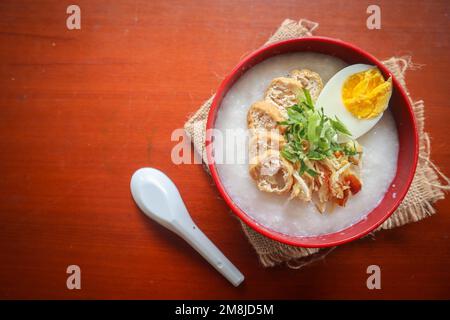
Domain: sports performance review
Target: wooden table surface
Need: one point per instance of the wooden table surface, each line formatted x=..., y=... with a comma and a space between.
x=81, y=110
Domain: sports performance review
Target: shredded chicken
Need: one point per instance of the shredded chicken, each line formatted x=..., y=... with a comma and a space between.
x=337, y=178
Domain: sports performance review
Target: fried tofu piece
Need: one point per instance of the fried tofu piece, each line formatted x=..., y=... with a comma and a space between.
x=283, y=93
x=272, y=173
x=310, y=80
x=264, y=115
x=262, y=140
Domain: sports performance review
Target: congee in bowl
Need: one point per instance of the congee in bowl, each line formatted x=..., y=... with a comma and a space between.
x=305, y=144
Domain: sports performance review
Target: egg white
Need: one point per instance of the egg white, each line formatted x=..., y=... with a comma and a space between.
x=330, y=99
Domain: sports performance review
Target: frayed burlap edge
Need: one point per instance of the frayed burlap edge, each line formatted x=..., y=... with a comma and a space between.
x=425, y=189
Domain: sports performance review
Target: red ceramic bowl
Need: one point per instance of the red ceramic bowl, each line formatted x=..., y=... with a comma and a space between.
x=404, y=118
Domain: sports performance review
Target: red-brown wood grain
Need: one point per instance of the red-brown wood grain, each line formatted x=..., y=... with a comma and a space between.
x=81, y=110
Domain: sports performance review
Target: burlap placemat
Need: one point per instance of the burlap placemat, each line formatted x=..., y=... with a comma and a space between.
x=425, y=189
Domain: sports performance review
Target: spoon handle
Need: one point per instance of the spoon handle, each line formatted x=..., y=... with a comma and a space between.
x=201, y=243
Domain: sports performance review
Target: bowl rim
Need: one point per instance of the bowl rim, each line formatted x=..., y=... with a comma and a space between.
x=304, y=241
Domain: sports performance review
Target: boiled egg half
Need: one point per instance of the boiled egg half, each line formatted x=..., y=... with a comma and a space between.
x=357, y=95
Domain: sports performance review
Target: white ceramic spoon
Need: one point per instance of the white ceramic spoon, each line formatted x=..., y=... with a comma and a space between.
x=158, y=197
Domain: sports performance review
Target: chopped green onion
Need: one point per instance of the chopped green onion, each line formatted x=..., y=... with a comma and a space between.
x=311, y=135
x=339, y=126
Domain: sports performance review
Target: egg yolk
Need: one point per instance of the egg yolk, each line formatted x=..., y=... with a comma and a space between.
x=366, y=94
